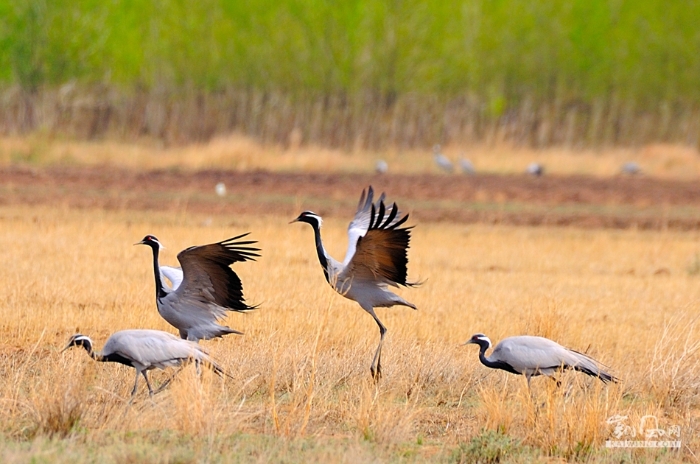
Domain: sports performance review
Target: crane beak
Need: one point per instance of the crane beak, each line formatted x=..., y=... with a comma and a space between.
x=160, y=246
x=294, y=220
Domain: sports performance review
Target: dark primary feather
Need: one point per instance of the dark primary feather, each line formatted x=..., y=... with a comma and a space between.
x=593, y=368
x=383, y=250
x=207, y=272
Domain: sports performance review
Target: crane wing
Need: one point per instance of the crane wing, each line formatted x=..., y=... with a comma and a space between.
x=150, y=347
x=360, y=223
x=207, y=277
x=526, y=353
x=529, y=353
x=173, y=274
x=366, y=213
x=378, y=246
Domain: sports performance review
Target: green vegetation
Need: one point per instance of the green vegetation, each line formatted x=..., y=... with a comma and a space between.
x=490, y=447
x=645, y=51
x=602, y=56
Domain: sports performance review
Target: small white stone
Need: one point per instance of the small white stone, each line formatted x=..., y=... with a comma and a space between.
x=381, y=167
x=220, y=189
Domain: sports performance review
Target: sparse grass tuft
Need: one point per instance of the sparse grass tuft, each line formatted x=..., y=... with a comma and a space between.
x=675, y=362
x=490, y=447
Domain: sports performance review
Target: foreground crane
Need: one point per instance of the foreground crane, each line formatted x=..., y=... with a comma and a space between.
x=144, y=350
x=531, y=356
x=208, y=289
x=376, y=259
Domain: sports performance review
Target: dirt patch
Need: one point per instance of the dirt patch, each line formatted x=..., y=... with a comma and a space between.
x=620, y=202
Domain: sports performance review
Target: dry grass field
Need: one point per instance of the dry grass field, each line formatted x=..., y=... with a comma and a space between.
x=301, y=390
x=236, y=152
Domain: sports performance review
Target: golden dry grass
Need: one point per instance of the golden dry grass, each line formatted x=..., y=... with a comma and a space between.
x=240, y=153
x=301, y=390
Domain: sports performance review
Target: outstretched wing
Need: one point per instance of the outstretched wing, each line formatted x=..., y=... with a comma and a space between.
x=377, y=248
x=173, y=274
x=207, y=277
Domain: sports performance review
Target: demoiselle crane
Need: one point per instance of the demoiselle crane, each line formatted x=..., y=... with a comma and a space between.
x=631, y=168
x=144, y=350
x=208, y=289
x=467, y=166
x=531, y=356
x=535, y=169
x=376, y=259
x=442, y=161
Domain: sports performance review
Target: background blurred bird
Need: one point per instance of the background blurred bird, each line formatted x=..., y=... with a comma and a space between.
x=535, y=169
x=631, y=168
x=466, y=166
x=442, y=161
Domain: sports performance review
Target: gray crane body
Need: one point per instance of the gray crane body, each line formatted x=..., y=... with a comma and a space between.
x=198, y=321
x=442, y=161
x=145, y=350
x=532, y=356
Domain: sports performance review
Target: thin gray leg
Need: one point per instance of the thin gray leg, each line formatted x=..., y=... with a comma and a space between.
x=376, y=367
x=136, y=384
x=150, y=390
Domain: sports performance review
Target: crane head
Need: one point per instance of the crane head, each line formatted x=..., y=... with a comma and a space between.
x=310, y=218
x=151, y=241
x=479, y=339
x=79, y=340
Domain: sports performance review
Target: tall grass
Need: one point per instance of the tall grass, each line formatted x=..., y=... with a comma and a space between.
x=301, y=371
x=361, y=73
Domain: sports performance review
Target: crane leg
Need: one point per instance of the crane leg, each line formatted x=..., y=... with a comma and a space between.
x=150, y=390
x=376, y=367
x=136, y=384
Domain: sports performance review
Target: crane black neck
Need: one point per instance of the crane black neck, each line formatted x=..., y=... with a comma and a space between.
x=320, y=250
x=87, y=344
x=160, y=290
x=483, y=346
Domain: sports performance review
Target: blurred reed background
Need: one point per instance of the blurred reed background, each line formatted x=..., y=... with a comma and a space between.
x=354, y=75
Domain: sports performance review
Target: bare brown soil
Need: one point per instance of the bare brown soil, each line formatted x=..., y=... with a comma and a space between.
x=621, y=202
